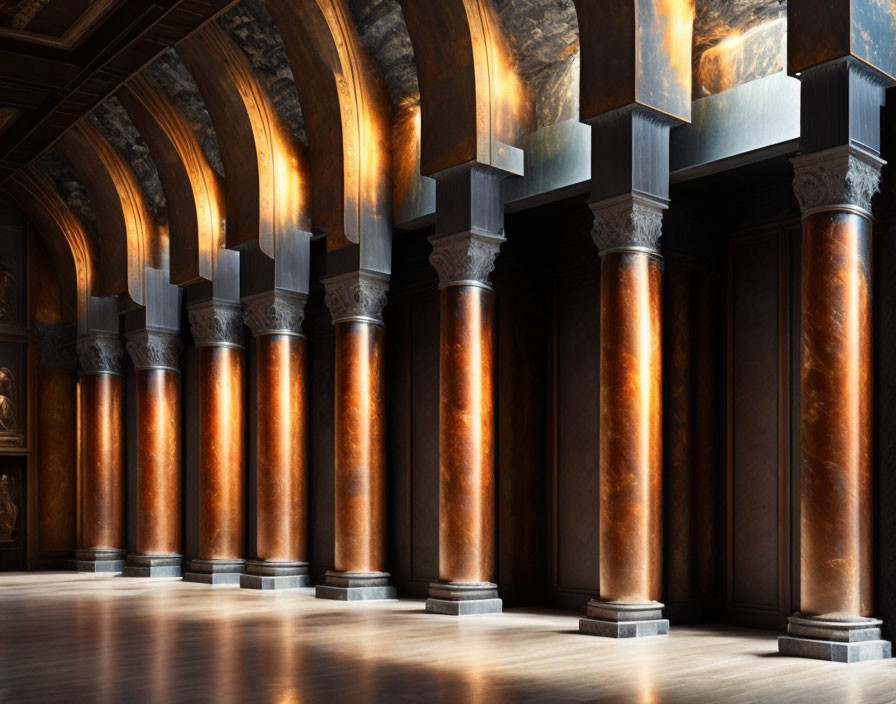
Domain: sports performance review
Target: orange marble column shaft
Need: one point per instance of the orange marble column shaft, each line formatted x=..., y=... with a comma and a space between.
x=360, y=453
x=356, y=302
x=464, y=262
x=102, y=485
x=217, y=332
x=630, y=428
x=276, y=322
x=155, y=354
x=836, y=515
x=627, y=231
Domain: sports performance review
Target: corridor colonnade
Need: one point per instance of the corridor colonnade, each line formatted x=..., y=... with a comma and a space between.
x=635, y=88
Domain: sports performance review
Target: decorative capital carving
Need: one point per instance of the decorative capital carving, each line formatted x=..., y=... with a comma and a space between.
x=628, y=221
x=839, y=178
x=275, y=312
x=56, y=343
x=154, y=349
x=465, y=257
x=99, y=353
x=359, y=295
x=216, y=323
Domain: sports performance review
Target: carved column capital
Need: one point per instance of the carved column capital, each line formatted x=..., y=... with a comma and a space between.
x=56, y=344
x=275, y=313
x=630, y=221
x=359, y=295
x=842, y=178
x=216, y=323
x=464, y=258
x=154, y=349
x=99, y=353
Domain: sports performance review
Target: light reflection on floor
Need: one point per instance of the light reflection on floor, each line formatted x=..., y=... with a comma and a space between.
x=80, y=638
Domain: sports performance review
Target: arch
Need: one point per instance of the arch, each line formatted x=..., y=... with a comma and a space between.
x=266, y=183
x=347, y=119
x=473, y=104
x=635, y=53
x=61, y=230
x=192, y=188
x=129, y=239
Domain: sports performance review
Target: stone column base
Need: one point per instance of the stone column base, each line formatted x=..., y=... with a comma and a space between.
x=153, y=566
x=261, y=574
x=218, y=573
x=463, y=599
x=355, y=586
x=852, y=640
x=612, y=620
x=105, y=560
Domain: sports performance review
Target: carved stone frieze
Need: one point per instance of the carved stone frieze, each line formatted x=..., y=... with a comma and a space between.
x=154, y=349
x=56, y=343
x=627, y=221
x=842, y=176
x=99, y=353
x=275, y=312
x=216, y=323
x=464, y=257
x=359, y=295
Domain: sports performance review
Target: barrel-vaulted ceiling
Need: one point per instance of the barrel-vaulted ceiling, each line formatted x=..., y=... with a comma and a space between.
x=218, y=123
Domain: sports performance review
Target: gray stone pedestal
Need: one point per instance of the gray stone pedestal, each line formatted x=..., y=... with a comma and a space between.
x=261, y=574
x=614, y=620
x=106, y=561
x=355, y=586
x=463, y=599
x=836, y=640
x=153, y=566
x=217, y=573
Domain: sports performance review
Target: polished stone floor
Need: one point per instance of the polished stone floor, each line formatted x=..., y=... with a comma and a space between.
x=79, y=638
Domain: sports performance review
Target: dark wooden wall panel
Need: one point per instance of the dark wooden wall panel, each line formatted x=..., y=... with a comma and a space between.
x=759, y=427
x=321, y=349
x=576, y=338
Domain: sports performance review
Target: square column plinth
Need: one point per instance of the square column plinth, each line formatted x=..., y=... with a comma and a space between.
x=356, y=586
x=612, y=620
x=266, y=576
x=153, y=566
x=99, y=560
x=463, y=599
x=217, y=573
x=852, y=640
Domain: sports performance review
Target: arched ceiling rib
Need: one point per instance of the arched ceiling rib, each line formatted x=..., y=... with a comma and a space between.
x=250, y=25
x=267, y=192
x=194, y=195
x=348, y=123
x=169, y=72
x=112, y=120
x=129, y=238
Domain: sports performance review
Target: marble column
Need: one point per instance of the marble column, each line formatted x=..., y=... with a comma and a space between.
x=101, y=495
x=217, y=328
x=835, y=188
x=275, y=318
x=356, y=301
x=156, y=357
x=466, y=426
x=627, y=231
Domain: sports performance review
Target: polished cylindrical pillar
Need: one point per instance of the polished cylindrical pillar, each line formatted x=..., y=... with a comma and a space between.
x=101, y=496
x=275, y=319
x=156, y=357
x=217, y=328
x=627, y=231
x=835, y=188
x=466, y=425
x=356, y=302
